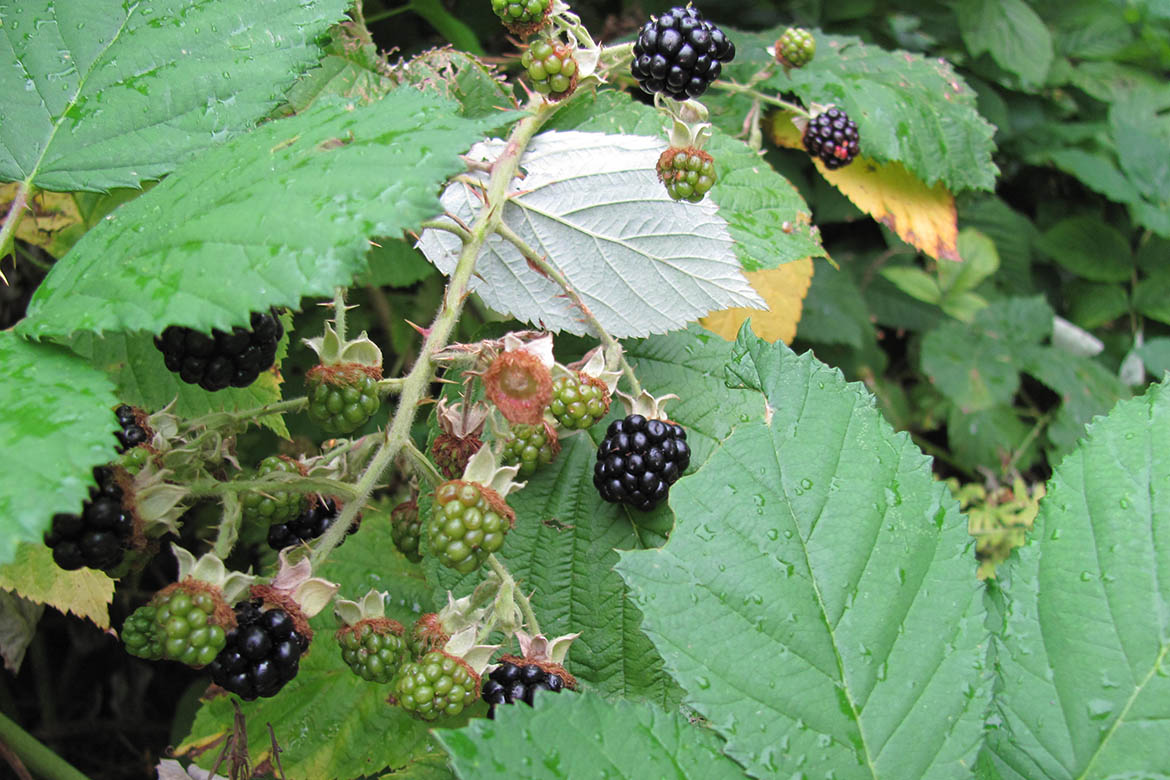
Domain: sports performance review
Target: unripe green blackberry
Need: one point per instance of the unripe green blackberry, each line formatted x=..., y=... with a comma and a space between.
x=436, y=685
x=551, y=68
x=522, y=17
x=687, y=173
x=272, y=506
x=185, y=621
x=141, y=635
x=373, y=648
x=342, y=398
x=530, y=446
x=467, y=524
x=406, y=528
x=578, y=402
x=795, y=48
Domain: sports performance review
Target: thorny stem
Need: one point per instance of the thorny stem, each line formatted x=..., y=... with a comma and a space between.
x=292, y=483
x=15, y=212
x=423, y=467
x=542, y=265
x=339, y=313
x=435, y=224
x=389, y=386
x=417, y=381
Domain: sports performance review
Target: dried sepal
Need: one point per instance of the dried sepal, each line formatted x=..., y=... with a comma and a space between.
x=540, y=648
x=295, y=581
x=646, y=404
x=484, y=469
x=462, y=644
x=210, y=569
x=371, y=606
x=594, y=365
x=461, y=420
x=332, y=351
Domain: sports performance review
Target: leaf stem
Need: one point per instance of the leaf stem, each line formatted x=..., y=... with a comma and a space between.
x=542, y=265
x=417, y=381
x=12, y=219
x=291, y=483
x=434, y=224
x=743, y=89
x=38, y=758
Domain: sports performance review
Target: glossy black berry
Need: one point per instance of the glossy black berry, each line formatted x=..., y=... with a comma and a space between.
x=132, y=433
x=511, y=682
x=309, y=524
x=832, y=136
x=221, y=360
x=680, y=54
x=261, y=654
x=638, y=461
x=99, y=536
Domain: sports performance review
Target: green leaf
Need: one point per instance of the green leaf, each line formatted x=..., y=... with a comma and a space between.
x=328, y=721
x=767, y=217
x=565, y=537
x=977, y=365
x=1142, y=134
x=281, y=213
x=57, y=424
x=1151, y=298
x=478, y=87
x=1155, y=354
x=1085, y=387
x=990, y=439
x=102, y=93
x=964, y=306
x=818, y=550
x=907, y=107
x=86, y=593
x=979, y=261
x=1090, y=248
x=573, y=736
x=395, y=263
x=834, y=311
x=915, y=282
x=1082, y=645
x=1017, y=39
x=1012, y=233
x=1092, y=305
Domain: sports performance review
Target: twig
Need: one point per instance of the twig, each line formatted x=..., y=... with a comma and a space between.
x=35, y=756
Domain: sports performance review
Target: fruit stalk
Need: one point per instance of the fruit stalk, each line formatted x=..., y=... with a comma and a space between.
x=521, y=600
x=417, y=381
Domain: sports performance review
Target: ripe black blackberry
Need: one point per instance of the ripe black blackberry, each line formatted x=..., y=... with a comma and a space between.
x=222, y=359
x=261, y=654
x=99, y=536
x=679, y=54
x=832, y=136
x=639, y=459
x=132, y=433
x=516, y=680
x=308, y=525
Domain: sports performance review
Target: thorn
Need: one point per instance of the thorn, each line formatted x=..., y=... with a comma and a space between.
x=375, y=243
x=425, y=332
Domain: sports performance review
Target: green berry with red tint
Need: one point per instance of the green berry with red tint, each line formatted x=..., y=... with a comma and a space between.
x=141, y=634
x=530, y=447
x=272, y=506
x=578, y=402
x=406, y=529
x=551, y=68
x=796, y=48
x=687, y=173
x=183, y=619
x=468, y=523
x=435, y=686
x=373, y=648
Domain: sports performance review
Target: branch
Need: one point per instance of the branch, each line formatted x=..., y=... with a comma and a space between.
x=35, y=756
x=12, y=219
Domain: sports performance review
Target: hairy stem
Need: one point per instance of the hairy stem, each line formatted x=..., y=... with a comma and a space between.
x=744, y=89
x=12, y=219
x=37, y=758
x=543, y=266
x=418, y=380
x=339, y=313
x=293, y=483
x=422, y=466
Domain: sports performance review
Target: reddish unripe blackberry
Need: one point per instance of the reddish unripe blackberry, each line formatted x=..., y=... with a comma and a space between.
x=373, y=648
x=308, y=525
x=688, y=174
x=467, y=524
x=680, y=54
x=222, y=359
x=516, y=679
x=435, y=686
x=451, y=452
x=261, y=654
x=98, y=537
x=132, y=433
x=832, y=136
x=551, y=68
x=639, y=459
x=406, y=529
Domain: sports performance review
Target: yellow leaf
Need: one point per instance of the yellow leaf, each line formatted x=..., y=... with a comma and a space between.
x=924, y=217
x=784, y=289
x=32, y=574
x=46, y=216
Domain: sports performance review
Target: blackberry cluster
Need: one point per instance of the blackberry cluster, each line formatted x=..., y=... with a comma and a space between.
x=522, y=17
x=551, y=68
x=222, y=359
x=272, y=506
x=436, y=685
x=468, y=524
x=832, y=136
x=639, y=459
x=141, y=635
x=578, y=401
x=509, y=683
x=183, y=625
x=308, y=525
x=132, y=433
x=406, y=528
x=796, y=47
x=680, y=54
x=262, y=653
x=530, y=447
x=99, y=536
x=451, y=453
x=373, y=649
x=346, y=406
x=688, y=174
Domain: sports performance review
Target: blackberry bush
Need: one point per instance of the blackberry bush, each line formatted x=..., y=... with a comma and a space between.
x=680, y=54
x=99, y=536
x=638, y=461
x=222, y=359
